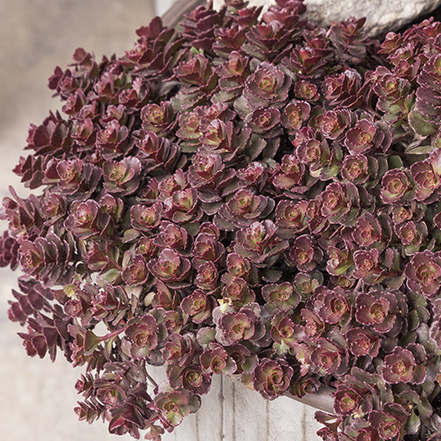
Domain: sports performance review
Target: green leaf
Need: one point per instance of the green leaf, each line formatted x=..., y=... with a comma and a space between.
x=242, y=107
x=413, y=320
x=413, y=424
x=108, y=346
x=110, y=276
x=425, y=409
x=191, y=227
x=271, y=276
x=394, y=162
x=188, y=147
x=174, y=418
x=419, y=123
x=223, y=97
x=223, y=224
x=91, y=341
x=255, y=147
x=130, y=235
x=417, y=149
x=205, y=336
x=211, y=208
x=127, y=257
x=133, y=291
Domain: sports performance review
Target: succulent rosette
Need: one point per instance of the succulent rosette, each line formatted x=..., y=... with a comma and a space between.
x=182, y=206
x=158, y=118
x=267, y=86
x=157, y=153
x=397, y=186
x=304, y=254
x=243, y=209
x=234, y=327
x=367, y=264
x=175, y=405
x=389, y=421
x=340, y=201
x=246, y=361
x=87, y=219
x=280, y=296
x=426, y=179
x=400, y=366
x=197, y=306
x=191, y=378
x=367, y=231
x=206, y=248
x=272, y=377
x=424, y=272
x=216, y=359
x=334, y=123
x=411, y=235
x=170, y=235
x=237, y=292
x=290, y=175
x=347, y=400
x=374, y=309
x=113, y=140
x=343, y=89
x=136, y=272
x=250, y=195
x=326, y=358
x=233, y=72
x=258, y=242
x=206, y=171
x=364, y=136
x=362, y=342
x=9, y=251
x=144, y=218
x=291, y=217
x=284, y=332
x=294, y=115
x=331, y=306
x=169, y=267
x=144, y=335
x=121, y=177
x=358, y=168
x=179, y=349
x=207, y=277
x=265, y=122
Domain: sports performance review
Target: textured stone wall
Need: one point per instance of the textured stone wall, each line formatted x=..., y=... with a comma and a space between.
x=382, y=15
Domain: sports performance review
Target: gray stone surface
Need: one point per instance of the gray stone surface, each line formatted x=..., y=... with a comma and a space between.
x=382, y=15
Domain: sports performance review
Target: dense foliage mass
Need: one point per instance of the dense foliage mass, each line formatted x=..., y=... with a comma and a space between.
x=254, y=197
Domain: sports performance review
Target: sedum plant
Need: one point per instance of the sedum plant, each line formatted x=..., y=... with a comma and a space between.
x=252, y=196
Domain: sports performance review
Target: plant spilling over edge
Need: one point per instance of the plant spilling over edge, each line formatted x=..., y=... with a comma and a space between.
x=251, y=197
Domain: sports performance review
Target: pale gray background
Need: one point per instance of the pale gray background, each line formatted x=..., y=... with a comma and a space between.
x=37, y=397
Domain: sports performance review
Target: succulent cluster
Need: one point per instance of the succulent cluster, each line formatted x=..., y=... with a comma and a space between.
x=250, y=196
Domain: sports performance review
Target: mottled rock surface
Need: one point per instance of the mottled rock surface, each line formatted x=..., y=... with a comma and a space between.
x=382, y=15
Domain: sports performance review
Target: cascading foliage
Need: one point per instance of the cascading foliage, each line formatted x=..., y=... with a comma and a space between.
x=254, y=197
